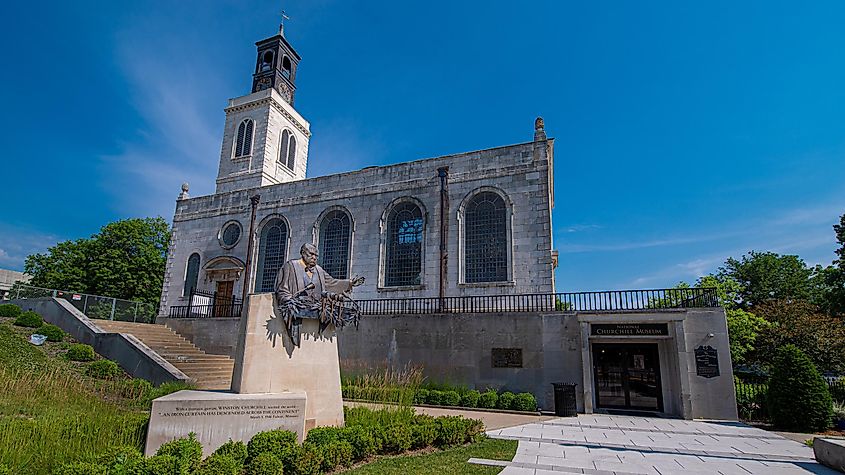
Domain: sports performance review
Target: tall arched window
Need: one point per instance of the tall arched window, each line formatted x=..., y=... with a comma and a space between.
x=243, y=142
x=286, y=67
x=335, y=235
x=485, y=239
x=192, y=272
x=271, y=254
x=287, y=149
x=404, y=245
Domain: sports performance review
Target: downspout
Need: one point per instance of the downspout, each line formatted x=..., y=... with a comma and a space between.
x=443, y=173
x=248, y=266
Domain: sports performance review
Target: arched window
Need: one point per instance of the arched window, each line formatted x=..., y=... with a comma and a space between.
x=271, y=254
x=267, y=61
x=287, y=149
x=192, y=272
x=243, y=142
x=403, y=265
x=485, y=239
x=335, y=235
x=286, y=67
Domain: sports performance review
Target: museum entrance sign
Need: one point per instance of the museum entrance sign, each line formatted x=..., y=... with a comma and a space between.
x=627, y=376
x=629, y=329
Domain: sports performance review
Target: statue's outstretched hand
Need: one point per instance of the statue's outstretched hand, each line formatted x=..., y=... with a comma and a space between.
x=357, y=280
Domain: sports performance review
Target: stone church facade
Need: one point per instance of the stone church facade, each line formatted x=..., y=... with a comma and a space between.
x=474, y=223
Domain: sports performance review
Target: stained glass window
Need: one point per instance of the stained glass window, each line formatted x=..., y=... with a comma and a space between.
x=335, y=234
x=404, y=245
x=485, y=239
x=271, y=254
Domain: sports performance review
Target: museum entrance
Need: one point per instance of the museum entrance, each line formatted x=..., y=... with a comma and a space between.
x=627, y=376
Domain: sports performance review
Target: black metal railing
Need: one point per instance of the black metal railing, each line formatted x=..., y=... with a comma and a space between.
x=217, y=306
x=752, y=398
x=611, y=300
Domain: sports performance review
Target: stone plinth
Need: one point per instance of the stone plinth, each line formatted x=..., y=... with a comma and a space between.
x=266, y=361
x=830, y=452
x=217, y=417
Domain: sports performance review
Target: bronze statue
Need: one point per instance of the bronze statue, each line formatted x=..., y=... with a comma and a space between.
x=305, y=290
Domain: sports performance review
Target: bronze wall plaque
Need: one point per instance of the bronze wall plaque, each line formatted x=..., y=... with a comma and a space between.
x=507, y=357
x=706, y=362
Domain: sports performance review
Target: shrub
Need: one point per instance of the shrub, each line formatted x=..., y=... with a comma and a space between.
x=364, y=444
x=423, y=431
x=397, y=438
x=265, y=463
x=272, y=441
x=219, y=464
x=9, y=310
x=524, y=402
x=29, y=319
x=488, y=399
x=323, y=435
x=505, y=400
x=121, y=459
x=308, y=460
x=135, y=388
x=451, y=398
x=4, y=470
x=435, y=397
x=421, y=396
x=80, y=352
x=52, y=332
x=234, y=449
x=160, y=465
x=103, y=369
x=337, y=453
x=450, y=431
x=80, y=468
x=187, y=451
x=470, y=398
x=798, y=397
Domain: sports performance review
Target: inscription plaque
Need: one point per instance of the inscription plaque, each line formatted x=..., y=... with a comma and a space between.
x=507, y=357
x=629, y=329
x=706, y=362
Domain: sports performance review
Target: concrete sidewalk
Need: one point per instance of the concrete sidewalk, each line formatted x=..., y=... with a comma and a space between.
x=606, y=445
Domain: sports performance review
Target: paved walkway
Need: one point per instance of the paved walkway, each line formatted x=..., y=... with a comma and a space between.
x=606, y=445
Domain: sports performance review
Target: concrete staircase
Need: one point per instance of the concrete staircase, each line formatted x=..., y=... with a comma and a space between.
x=208, y=371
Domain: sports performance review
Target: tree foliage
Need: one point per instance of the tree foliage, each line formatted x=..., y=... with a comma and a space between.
x=799, y=400
x=765, y=276
x=125, y=259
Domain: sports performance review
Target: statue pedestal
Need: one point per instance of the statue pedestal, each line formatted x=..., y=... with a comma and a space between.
x=274, y=386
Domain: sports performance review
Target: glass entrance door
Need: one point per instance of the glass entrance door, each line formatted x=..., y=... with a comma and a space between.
x=627, y=376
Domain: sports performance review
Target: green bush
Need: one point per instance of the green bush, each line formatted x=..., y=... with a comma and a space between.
x=29, y=319
x=451, y=398
x=9, y=310
x=135, y=388
x=160, y=465
x=423, y=431
x=421, y=396
x=120, y=460
x=103, y=369
x=321, y=436
x=799, y=400
x=524, y=402
x=186, y=450
x=265, y=463
x=80, y=468
x=52, y=332
x=81, y=352
x=4, y=470
x=234, y=449
x=272, y=441
x=488, y=400
x=435, y=397
x=337, y=453
x=470, y=398
x=397, y=438
x=308, y=460
x=450, y=431
x=219, y=464
x=505, y=400
x=364, y=444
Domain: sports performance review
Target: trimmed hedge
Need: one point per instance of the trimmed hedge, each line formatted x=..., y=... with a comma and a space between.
x=234, y=449
x=488, y=400
x=505, y=400
x=798, y=398
x=524, y=402
x=103, y=369
x=186, y=452
x=29, y=319
x=460, y=397
x=81, y=352
x=470, y=398
x=265, y=463
x=219, y=464
x=52, y=332
x=9, y=310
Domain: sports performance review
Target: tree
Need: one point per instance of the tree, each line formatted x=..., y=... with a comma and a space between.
x=125, y=259
x=767, y=276
x=798, y=396
x=833, y=277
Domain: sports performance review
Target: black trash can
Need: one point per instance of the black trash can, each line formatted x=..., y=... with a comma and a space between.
x=565, y=399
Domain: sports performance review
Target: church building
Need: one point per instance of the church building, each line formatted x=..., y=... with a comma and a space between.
x=473, y=223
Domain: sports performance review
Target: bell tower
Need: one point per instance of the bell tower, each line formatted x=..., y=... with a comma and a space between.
x=265, y=140
x=275, y=67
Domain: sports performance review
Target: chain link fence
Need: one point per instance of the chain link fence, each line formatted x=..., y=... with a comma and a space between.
x=93, y=306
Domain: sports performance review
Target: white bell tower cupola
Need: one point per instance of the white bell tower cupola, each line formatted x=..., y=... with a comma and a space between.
x=265, y=141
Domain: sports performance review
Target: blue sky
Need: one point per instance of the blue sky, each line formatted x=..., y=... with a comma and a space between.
x=686, y=132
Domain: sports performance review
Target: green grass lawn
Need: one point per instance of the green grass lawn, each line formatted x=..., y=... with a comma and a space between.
x=443, y=462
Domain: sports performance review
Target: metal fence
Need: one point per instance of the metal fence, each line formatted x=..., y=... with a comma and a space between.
x=610, y=300
x=208, y=305
x=93, y=306
x=751, y=398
